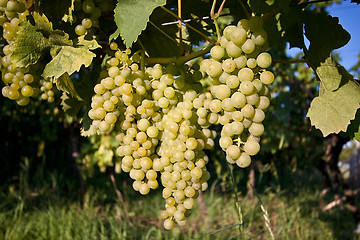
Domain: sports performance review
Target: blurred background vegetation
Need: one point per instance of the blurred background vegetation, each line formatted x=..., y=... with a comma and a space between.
x=55, y=184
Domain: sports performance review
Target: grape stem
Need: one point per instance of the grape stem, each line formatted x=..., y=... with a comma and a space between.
x=289, y=61
x=237, y=202
x=179, y=60
x=187, y=25
x=215, y=16
x=181, y=49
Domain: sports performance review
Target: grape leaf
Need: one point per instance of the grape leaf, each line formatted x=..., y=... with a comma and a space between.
x=42, y=22
x=131, y=17
x=325, y=34
x=292, y=24
x=261, y=6
x=87, y=129
x=70, y=105
x=329, y=75
x=65, y=84
x=354, y=128
x=32, y=41
x=89, y=44
x=332, y=110
x=68, y=60
x=29, y=45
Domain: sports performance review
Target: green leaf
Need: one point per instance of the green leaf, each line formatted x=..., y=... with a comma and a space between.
x=261, y=6
x=29, y=46
x=292, y=24
x=329, y=74
x=87, y=129
x=68, y=60
x=65, y=84
x=70, y=105
x=42, y=22
x=325, y=34
x=332, y=111
x=353, y=130
x=32, y=41
x=131, y=17
x=89, y=44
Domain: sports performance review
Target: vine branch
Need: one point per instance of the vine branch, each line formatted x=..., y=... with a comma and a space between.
x=289, y=61
x=179, y=60
x=301, y=3
x=187, y=25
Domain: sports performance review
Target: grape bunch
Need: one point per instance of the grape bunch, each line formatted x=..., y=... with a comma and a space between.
x=21, y=83
x=238, y=78
x=154, y=114
x=87, y=15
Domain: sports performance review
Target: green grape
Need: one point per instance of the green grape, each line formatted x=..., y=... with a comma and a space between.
x=244, y=24
x=259, y=116
x=251, y=147
x=240, y=61
x=247, y=88
x=221, y=91
x=248, y=46
x=244, y=160
x=264, y=60
x=217, y=52
x=256, y=129
x=80, y=30
x=214, y=69
x=232, y=81
x=227, y=32
x=233, y=152
x=88, y=6
x=233, y=50
x=27, y=91
x=248, y=111
x=238, y=100
x=259, y=38
x=228, y=65
x=87, y=23
x=168, y=224
x=263, y=103
x=267, y=77
x=252, y=99
x=245, y=74
x=238, y=36
x=215, y=106
x=251, y=63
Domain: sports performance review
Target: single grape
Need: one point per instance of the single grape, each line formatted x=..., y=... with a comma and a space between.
x=251, y=147
x=267, y=77
x=80, y=30
x=217, y=52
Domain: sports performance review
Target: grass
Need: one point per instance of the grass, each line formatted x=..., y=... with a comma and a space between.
x=294, y=213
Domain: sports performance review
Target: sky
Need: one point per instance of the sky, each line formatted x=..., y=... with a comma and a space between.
x=349, y=17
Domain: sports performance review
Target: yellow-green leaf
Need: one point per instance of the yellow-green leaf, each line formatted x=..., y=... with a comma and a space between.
x=68, y=60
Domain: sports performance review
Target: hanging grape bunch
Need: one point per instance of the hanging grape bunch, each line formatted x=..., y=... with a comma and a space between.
x=238, y=77
x=157, y=128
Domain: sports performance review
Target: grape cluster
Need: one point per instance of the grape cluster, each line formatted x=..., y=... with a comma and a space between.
x=238, y=78
x=21, y=83
x=162, y=117
x=154, y=115
x=87, y=15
